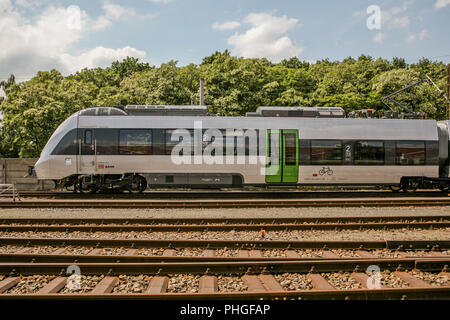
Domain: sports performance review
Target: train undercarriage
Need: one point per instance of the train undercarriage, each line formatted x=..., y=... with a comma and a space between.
x=136, y=183
x=89, y=184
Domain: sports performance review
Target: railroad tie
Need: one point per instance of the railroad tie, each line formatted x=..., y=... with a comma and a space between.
x=169, y=253
x=437, y=254
x=131, y=252
x=291, y=254
x=243, y=254
x=365, y=254
x=158, y=285
x=401, y=254
x=95, y=252
x=23, y=251
x=411, y=280
x=270, y=283
x=255, y=254
x=54, y=286
x=209, y=253
x=318, y=282
x=105, y=286
x=253, y=283
x=59, y=251
x=8, y=283
x=362, y=279
x=326, y=254
x=208, y=284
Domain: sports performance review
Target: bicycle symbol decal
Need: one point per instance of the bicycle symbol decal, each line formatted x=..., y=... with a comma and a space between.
x=326, y=170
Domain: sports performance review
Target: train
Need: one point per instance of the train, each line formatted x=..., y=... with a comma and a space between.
x=135, y=148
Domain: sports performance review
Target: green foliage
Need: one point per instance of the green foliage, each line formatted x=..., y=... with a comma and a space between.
x=233, y=86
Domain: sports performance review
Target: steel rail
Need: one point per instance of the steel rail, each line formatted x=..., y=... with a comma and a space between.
x=236, y=244
x=221, y=227
x=206, y=221
x=234, y=267
x=233, y=194
x=86, y=258
x=158, y=204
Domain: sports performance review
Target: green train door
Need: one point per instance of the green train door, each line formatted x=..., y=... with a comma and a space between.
x=282, y=156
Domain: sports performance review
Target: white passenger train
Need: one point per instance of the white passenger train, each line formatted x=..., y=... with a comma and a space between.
x=139, y=147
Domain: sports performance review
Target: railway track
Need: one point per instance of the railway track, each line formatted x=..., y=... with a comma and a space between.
x=324, y=279
x=226, y=203
x=37, y=268
x=220, y=244
x=111, y=255
x=211, y=224
x=40, y=267
x=235, y=194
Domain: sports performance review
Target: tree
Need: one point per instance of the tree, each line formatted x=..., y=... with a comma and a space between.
x=34, y=109
x=423, y=98
x=164, y=85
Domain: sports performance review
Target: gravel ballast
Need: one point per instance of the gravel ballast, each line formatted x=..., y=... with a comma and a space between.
x=223, y=213
x=342, y=280
x=132, y=284
x=355, y=235
x=294, y=281
x=30, y=284
x=230, y=284
x=81, y=284
x=183, y=283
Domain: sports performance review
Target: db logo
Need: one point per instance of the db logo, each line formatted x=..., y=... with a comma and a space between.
x=101, y=166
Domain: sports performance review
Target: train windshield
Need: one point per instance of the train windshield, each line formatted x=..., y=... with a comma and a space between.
x=68, y=144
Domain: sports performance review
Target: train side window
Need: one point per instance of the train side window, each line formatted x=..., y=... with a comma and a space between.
x=432, y=153
x=170, y=143
x=369, y=153
x=304, y=150
x=88, y=137
x=290, y=149
x=410, y=153
x=107, y=141
x=326, y=152
x=252, y=142
x=68, y=145
x=135, y=142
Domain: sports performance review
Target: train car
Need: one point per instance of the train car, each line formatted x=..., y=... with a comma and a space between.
x=181, y=146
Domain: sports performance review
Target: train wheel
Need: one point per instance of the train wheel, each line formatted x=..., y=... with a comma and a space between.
x=409, y=185
x=138, y=185
x=412, y=187
x=89, y=189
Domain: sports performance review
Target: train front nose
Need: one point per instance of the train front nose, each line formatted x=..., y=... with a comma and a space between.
x=42, y=168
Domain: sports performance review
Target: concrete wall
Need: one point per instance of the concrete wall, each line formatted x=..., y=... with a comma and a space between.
x=15, y=171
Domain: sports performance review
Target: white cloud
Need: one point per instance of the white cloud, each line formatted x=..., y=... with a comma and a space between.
x=112, y=12
x=441, y=4
x=160, y=1
x=418, y=37
x=101, y=22
x=229, y=25
x=115, y=11
x=48, y=41
x=400, y=22
x=392, y=16
x=98, y=57
x=378, y=38
x=5, y=5
x=266, y=38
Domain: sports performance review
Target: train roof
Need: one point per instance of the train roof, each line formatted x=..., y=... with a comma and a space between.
x=309, y=128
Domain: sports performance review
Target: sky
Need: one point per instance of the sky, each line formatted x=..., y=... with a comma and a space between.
x=71, y=35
